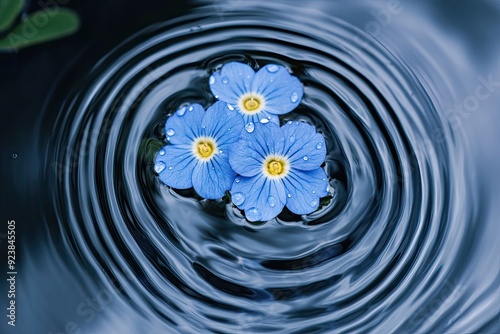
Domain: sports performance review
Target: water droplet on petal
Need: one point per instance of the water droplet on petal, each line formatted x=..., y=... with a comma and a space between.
x=170, y=167
x=250, y=127
x=292, y=138
x=191, y=108
x=314, y=203
x=294, y=97
x=159, y=167
x=253, y=214
x=228, y=129
x=162, y=152
x=289, y=122
x=181, y=111
x=289, y=195
x=319, y=146
x=216, y=96
x=230, y=107
x=220, y=151
x=168, y=138
x=212, y=80
x=264, y=121
x=272, y=68
x=238, y=198
x=305, y=158
x=314, y=192
x=170, y=132
x=271, y=201
x=225, y=80
x=237, y=180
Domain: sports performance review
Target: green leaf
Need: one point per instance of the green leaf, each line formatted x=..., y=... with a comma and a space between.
x=9, y=10
x=41, y=26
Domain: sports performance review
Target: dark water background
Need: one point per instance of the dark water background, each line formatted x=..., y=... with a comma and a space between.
x=408, y=244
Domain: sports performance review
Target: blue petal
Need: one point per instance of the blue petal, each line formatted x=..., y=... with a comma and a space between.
x=247, y=155
x=304, y=147
x=262, y=117
x=211, y=179
x=175, y=165
x=304, y=189
x=281, y=91
x=223, y=123
x=232, y=82
x=184, y=125
x=261, y=198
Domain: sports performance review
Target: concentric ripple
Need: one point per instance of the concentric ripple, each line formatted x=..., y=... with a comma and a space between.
x=375, y=259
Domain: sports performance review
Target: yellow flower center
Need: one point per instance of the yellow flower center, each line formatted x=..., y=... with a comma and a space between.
x=276, y=167
x=204, y=148
x=251, y=103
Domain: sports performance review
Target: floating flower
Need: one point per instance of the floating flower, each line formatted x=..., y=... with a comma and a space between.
x=278, y=167
x=260, y=96
x=198, y=152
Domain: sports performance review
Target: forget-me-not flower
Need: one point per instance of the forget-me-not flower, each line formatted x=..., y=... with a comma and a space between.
x=278, y=167
x=198, y=152
x=260, y=96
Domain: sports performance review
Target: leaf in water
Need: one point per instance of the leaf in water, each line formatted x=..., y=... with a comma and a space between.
x=41, y=26
x=9, y=10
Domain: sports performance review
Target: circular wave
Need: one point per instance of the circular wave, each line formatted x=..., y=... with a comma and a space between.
x=370, y=260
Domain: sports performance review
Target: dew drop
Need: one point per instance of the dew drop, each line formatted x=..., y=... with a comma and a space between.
x=319, y=146
x=228, y=129
x=220, y=151
x=250, y=127
x=253, y=214
x=292, y=138
x=289, y=122
x=238, y=198
x=181, y=111
x=271, y=201
x=216, y=96
x=212, y=80
x=168, y=138
x=237, y=180
x=170, y=132
x=170, y=167
x=159, y=167
x=191, y=108
x=305, y=158
x=314, y=192
x=294, y=97
x=225, y=80
x=289, y=195
x=314, y=203
x=230, y=107
x=162, y=152
x=272, y=68
x=264, y=120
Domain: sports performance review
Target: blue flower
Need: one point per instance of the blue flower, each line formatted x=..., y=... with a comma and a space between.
x=198, y=152
x=260, y=96
x=278, y=167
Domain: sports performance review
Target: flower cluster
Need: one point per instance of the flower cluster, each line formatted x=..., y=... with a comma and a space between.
x=237, y=145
